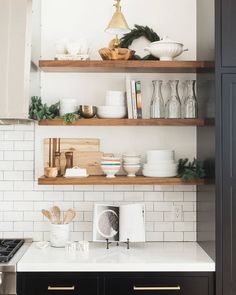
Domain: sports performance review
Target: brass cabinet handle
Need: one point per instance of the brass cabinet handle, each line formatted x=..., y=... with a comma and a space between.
x=61, y=288
x=177, y=288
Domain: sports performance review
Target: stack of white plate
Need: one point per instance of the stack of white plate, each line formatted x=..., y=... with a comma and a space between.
x=160, y=163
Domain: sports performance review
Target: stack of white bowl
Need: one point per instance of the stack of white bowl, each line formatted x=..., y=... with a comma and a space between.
x=115, y=107
x=110, y=166
x=160, y=163
x=131, y=163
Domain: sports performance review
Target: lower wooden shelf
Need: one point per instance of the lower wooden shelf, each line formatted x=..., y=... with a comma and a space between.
x=121, y=180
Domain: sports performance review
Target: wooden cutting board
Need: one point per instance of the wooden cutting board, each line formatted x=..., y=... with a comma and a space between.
x=69, y=145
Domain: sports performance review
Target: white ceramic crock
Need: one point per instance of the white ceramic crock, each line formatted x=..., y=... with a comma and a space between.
x=166, y=49
x=59, y=235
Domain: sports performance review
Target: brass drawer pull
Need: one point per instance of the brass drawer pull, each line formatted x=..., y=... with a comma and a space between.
x=61, y=288
x=177, y=288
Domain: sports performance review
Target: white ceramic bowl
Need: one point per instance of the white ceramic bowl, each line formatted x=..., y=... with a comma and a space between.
x=168, y=172
x=115, y=98
x=131, y=169
x=110, y=171
x=131, y=160
x=112, y=112
x=160, y=166
x=166, y=49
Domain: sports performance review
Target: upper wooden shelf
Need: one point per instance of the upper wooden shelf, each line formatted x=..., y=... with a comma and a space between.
x=129, y=122
x=121, y=180
x=147, y=66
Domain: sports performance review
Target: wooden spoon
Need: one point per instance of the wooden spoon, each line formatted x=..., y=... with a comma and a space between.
x=56, y=212
x=47, y=214
x=69, y=216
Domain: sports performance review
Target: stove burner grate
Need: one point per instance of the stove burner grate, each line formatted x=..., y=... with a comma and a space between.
x=8, y=247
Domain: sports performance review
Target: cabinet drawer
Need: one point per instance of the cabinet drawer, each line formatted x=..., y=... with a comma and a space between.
x=60, y=284
x=158, y=285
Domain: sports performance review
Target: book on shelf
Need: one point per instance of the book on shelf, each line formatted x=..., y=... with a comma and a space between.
x=134, y=100
x=138, y=99
x=113, y=223
x=129, y=98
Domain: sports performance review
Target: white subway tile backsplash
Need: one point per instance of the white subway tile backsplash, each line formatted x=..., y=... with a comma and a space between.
x=22, y=199
x=113, y=196
x=6, y=165
x=163, y=226
x=13, y=155
x=13, y=175
x=23, y=226
x=73, y=196
x=6, y=185
x=173, y=236
x=53, y=196
x=93, y=196
x=13, y=196
x=153, y=196
x=24, y=165
x=133, y=196
x=13, y=135
x=154, y=216
x=173, y=196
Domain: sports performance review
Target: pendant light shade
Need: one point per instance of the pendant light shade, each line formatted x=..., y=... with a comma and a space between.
x=118, y=24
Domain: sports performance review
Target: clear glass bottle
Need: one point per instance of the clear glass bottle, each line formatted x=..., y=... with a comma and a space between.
x=173, y=105
x=157, y=107
x=190, y=107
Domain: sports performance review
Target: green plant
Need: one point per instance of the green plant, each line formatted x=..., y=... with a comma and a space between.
x=136, y=33
x=190, y=170
x=39, y=111
x=70, y=117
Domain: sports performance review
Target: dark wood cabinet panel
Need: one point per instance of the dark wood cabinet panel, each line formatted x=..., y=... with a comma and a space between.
x=158, y=284
x=57, y=284
x=228, y=33
x=229, y=182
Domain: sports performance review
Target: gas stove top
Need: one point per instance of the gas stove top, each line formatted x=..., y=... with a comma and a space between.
x=8, y=247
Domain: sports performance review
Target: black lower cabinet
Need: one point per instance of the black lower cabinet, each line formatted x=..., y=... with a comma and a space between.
x=57, y=283
x=115, y=283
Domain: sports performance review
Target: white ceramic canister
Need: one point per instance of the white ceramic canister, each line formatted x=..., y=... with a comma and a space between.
x=68, y=106
x=59, y=235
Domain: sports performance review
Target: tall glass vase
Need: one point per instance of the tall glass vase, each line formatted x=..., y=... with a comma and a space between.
x=157, y=107
x=190, y=108
x=173, y=105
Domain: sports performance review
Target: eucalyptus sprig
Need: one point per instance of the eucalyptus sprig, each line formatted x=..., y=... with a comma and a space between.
x=70, y=117
x=190, y=170
x=39, y=111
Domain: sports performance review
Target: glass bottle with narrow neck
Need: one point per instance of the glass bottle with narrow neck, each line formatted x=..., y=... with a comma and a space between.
x=157, y=107
x=173, y=105
x=190, y=107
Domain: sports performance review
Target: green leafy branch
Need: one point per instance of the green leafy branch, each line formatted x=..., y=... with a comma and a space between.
x=190, y=170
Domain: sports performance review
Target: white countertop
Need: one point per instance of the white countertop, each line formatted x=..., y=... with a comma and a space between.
x=167, y=256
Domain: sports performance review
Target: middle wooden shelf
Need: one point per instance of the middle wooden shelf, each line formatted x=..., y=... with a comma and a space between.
x=130, y=122
x=121, y=180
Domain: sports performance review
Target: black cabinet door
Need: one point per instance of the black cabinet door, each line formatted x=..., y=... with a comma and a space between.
x=228, y=33
x=229, y=183
x=57, y=284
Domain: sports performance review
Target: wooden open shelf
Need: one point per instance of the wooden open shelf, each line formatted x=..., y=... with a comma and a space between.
x=141, y=66
x=121, y=180
x=129, y=122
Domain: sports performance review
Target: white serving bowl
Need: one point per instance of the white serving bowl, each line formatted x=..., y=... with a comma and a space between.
x=112, y=112
x=131, y=169
x=115, y=98
x=166, y=49
x=171, y=172
x=110, y=171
